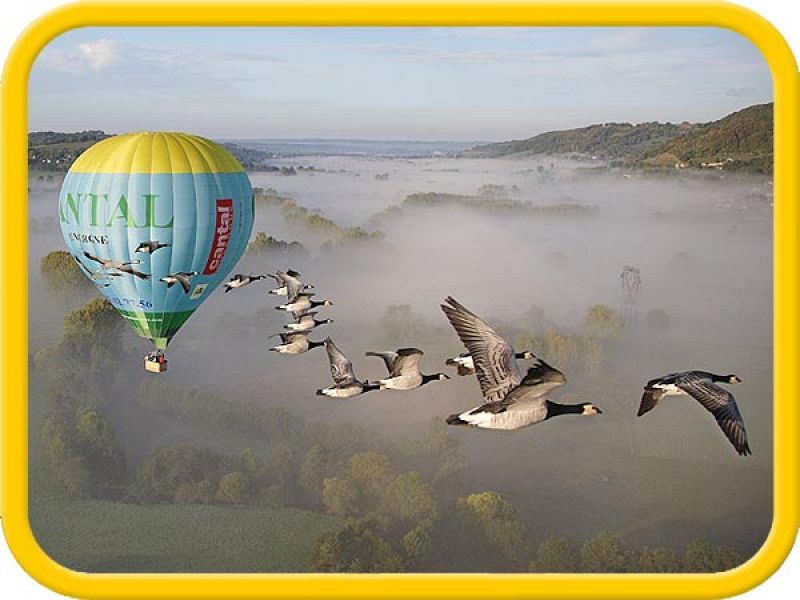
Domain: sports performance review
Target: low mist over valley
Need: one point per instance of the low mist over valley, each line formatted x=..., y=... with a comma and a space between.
x=534, y=240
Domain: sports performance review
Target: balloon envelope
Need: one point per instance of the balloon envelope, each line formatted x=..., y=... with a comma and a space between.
x=157, y=221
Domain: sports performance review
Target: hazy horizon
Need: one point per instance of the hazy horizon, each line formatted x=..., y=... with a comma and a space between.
x=382, y=140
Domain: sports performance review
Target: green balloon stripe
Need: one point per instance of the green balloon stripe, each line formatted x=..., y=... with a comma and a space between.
x=156, y=326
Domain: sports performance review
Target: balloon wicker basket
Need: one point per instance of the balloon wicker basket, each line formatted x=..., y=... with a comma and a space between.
x=154, y=366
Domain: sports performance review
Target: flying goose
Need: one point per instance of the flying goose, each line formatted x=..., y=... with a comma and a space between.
x=110, y=263
x=282, y=291
x=345, y=383
x=701, y=385
x=131, y=271
x=293, y=287
x=151, y=246
x=301, y=303
x=99, y=276
x=279, y=276
x=240, y=280
x=466, y=366
x=294, y=342
x=182, y=277
x=306, y=322
x=118, y=265
x=404, y=373
x=511, y=401
x=282, y=280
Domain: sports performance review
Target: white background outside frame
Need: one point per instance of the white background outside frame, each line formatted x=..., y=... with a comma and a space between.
x=18, y=14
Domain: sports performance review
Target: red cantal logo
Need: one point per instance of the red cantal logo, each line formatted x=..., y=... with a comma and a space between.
x=222, y=235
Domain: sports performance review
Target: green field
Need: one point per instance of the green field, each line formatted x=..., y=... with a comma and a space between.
x=101, y=536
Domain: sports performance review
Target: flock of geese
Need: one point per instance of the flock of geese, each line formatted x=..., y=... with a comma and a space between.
x=105, y=268
x=511, y=400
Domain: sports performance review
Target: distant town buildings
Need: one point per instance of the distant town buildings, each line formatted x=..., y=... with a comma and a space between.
x=719, y=165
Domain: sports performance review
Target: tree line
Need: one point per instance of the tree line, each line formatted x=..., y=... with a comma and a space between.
x=316, y=222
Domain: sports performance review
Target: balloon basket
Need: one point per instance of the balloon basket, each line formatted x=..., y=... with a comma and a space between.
x=155, y=366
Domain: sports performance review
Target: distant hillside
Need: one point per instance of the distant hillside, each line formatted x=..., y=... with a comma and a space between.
x=606, y=140
x=742, y=140
x=250, y=158
x=56, y=151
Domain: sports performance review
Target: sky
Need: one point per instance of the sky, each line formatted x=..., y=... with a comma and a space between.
x=466, y=84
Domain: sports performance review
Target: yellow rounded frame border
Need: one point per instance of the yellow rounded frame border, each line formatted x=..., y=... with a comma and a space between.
x=13, y=266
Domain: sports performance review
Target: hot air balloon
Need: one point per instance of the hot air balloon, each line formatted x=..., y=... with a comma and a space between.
x=156, y=220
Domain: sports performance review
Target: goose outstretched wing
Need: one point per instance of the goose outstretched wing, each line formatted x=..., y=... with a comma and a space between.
x=131, y=271
x=650, y=398
x=341, y=366
x=96, y=259
x=278, y=277
x=656, y=389
x=541, y=379
x=387, y=357
x=293, y=286
x=495, y=365
x=722, y=405
x=185, y=281
x=407, y=362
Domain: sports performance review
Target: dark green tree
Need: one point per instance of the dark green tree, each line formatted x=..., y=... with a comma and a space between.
x=497, y=526
x=232, y=488
x=603, y=321
x=340, y=497
x=195, y=492
x=418, y=544
x=699, y=557
x=164, y=471
x=370, y=471
x=557, y=555
x=357, y=547
x=95, y=439
x=607, y=553
x=96, y=323
x=659, y=560
x=703, y=557
x=262, y=243
x=61, y=273
x=727, y=558
x=75, y=477
x=407, y=501
x=279, y=473
x=449, y=467
x=316, y=466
